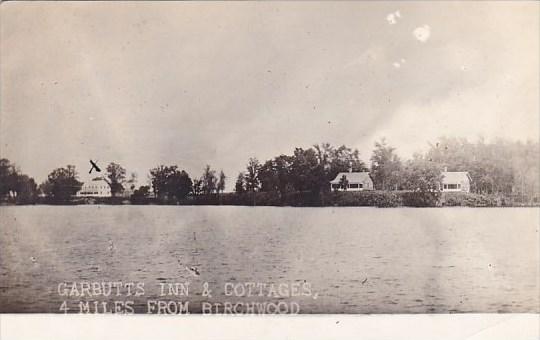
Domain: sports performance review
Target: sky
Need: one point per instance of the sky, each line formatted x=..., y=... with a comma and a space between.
x=196, y=83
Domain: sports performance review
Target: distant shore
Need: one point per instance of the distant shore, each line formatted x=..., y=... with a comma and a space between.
x=372, y=198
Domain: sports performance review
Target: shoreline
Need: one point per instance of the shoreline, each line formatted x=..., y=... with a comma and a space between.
x=264, y=206
x=371, y=198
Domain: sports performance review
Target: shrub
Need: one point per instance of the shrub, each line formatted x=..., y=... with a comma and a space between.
x=466, y=199
x=388, y=200
x=363, y=199
x=302, y=199
x=420, y=199
x=368, y=198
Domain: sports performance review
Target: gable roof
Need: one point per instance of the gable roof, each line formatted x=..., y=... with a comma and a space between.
x=95, y=181
x=352, y=177
x=455, y=176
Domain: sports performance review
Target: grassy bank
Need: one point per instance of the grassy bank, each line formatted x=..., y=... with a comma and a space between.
x=372, y=198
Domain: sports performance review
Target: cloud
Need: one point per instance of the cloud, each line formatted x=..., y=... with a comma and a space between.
x=422, y=33
x=214, y=97
x=393, y=17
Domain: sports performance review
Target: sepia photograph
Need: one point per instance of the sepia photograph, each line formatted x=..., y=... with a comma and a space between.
x=265, y=158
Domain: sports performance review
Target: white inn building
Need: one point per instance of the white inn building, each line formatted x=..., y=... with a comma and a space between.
x=97, y=187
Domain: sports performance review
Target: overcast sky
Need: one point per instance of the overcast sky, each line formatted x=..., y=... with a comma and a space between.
x=192, y=83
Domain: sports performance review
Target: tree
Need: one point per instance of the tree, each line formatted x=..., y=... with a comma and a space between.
x=15, y=186
x=306, y=174
x=117, y=176
x=267, y=177
x=386, y=168
x=209, y=181
x=424, y=180
x=525, y=167
x=62, y=183
x=343, y=182
x=169, y=183
x=221, y=182
x=8, y=177
x=498, y=167
x=274, y=175
x=239, y=185
x=313, y=169
x=45, y=189
x=26, y=190
x=252, y=182
x=179, y=184
x=158, y=178
x=422, y=175
x=197, y=187
x=132, y=181
x=335, y=160
x=140, y=195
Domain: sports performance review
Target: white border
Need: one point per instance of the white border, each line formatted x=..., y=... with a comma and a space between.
x=313, y=327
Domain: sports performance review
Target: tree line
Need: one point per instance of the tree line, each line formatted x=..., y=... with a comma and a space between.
x=171, y=184
x=167, y=184
x=501, y=167
x=14, y=185
x=311, y=170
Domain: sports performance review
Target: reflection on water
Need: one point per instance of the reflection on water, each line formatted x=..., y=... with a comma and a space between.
x=358, y=260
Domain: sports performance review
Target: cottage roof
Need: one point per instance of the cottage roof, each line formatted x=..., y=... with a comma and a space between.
x=96, y=181
x=455, y=176
x=352, y=177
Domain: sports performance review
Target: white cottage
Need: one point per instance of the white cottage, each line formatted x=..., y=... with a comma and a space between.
x=358, y=181
x=453, y=181
x=97, y=187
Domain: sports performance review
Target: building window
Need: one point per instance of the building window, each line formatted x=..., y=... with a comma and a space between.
x=353, y=186
x=335, y=186
x=452, y=186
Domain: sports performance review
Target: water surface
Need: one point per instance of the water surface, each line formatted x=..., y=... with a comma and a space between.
x=358, y=260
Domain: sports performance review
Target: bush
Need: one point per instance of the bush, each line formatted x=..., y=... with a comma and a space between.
x=140, y=200
x=370, y=198
x=388, y=200
x=303, y=199
x=247, y=198
x=420, y=199
x=467, y=199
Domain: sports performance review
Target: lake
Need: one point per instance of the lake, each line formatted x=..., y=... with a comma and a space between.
x=353, y=260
